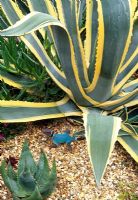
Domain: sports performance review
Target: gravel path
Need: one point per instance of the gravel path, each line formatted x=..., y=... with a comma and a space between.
x=75, y=177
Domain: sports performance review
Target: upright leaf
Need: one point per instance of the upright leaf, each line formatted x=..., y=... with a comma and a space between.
x=26, y=158
x=42, y=173
x=101, y=134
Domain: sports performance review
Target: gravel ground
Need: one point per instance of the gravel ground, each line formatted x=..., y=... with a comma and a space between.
x=75, y=176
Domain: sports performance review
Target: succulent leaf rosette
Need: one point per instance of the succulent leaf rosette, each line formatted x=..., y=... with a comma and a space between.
x=31, y=181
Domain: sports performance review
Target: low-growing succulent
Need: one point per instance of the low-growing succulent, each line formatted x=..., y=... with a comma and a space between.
x=31, y=181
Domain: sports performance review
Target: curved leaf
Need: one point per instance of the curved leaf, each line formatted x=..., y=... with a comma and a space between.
x=130, y=144
x=13, y=14
x=41, y=20
x=20, y=111
x=107, y=67
x=121, y=100
x=130, y=63
x=68, y=11
x=17, y=81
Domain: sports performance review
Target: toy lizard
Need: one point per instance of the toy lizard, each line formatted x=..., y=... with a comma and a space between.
x=61, y=138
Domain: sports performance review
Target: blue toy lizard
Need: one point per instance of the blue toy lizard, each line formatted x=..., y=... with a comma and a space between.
x=61, y=138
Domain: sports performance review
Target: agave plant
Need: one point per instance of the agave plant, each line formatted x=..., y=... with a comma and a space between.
x=31, y=181
x=94, y=69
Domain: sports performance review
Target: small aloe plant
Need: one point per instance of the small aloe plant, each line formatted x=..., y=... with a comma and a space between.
x=31, y=181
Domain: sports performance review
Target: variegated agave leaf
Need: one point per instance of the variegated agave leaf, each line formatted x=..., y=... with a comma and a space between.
x=95, y=69
x=128, y=135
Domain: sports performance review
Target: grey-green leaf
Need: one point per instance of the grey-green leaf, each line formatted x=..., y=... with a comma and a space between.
x=26, y=180
x=50, y=184
x=26, y=158
x=42, y=172
x=101, y=134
